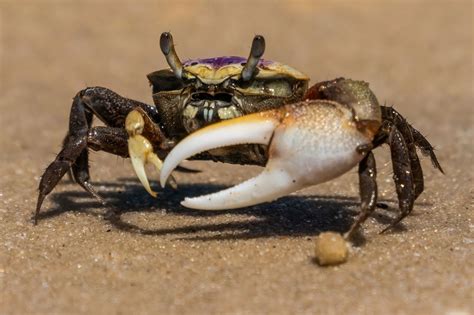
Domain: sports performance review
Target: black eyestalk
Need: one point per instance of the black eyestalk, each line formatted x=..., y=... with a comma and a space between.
x=167, y=47
x=256, y=52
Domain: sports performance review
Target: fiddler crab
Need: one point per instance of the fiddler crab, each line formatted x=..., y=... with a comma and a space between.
x=245, y=111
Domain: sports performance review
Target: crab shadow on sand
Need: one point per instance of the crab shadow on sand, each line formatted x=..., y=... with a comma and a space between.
x=293, y=216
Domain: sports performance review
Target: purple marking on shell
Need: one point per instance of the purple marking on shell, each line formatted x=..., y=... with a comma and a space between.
x=218, y=62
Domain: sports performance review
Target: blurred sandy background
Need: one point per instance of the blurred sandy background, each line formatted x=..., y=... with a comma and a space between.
x=160, y=258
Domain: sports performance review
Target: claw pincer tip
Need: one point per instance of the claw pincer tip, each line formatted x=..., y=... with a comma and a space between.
x=141, y=150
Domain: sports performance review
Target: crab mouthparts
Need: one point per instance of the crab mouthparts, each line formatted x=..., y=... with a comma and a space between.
x=204, y=109
x=208, y=111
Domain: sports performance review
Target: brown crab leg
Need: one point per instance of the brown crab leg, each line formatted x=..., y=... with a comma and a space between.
x=426, y=148
x=112, y=109
x=80, y=168
x=408, y=181
x=402, y=175
x=108, y=139
x=413, y=139
x=368, y=191
x=80, y=171
x=75, y=144
x=391, y=115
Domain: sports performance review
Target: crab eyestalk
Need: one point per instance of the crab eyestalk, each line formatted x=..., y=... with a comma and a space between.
x=256, y=52
x=141, y=150
x=167, y=47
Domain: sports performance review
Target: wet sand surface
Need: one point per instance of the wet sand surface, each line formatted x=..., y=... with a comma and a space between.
x=158, y=257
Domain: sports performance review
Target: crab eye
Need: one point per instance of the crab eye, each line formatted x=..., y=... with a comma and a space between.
x=193, y=81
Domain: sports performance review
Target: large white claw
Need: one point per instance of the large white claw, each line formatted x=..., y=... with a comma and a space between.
x=309, y=143
x=248, y=129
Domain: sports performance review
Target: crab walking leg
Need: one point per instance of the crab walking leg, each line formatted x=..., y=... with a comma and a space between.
x=368, y=191
x=310, y=142
x=141, y=150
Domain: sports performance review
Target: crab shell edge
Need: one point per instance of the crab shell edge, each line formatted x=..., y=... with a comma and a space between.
x=215, y=70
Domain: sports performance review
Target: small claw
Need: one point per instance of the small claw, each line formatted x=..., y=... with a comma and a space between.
x=141, y=151
x=309, y=143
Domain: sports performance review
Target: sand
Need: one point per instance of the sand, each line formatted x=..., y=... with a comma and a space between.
x=156, y=257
